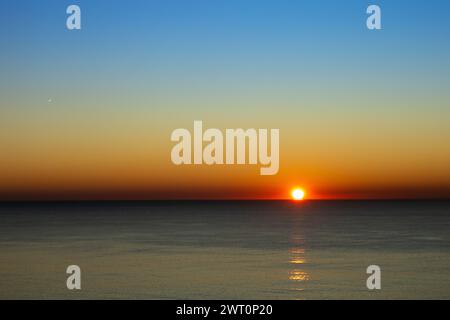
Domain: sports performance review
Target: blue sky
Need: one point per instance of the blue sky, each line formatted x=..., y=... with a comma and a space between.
x=143, y=68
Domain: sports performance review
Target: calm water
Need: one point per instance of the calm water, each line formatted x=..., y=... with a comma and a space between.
x=226, y=250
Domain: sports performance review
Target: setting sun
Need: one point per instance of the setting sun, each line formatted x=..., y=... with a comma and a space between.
x=297, y=194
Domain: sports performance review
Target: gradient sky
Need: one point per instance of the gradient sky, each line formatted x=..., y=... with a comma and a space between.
x=88, y=114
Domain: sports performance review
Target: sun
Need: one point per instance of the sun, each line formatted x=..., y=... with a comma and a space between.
x=297, y=194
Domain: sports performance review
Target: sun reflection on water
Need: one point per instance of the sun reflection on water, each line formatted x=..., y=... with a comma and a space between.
x=298, y=275
x=297, y=258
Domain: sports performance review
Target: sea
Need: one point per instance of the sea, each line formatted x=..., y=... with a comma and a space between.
x=226, y=249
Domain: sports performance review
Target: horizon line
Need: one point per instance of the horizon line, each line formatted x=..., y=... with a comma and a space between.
x=36, y=201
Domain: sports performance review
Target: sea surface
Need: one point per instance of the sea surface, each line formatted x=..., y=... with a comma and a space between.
x=226, y=249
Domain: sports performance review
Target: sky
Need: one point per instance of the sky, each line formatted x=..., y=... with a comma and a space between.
x=88, y=114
